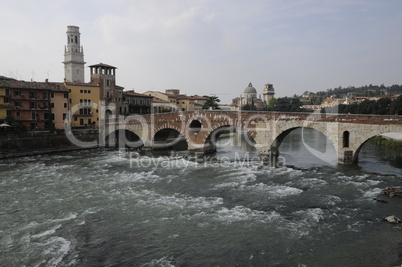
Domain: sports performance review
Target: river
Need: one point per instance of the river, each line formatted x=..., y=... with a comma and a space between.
x=102, y=207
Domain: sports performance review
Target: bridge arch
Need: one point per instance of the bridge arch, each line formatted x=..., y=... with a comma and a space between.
x=362, y=142
x=211, y=141
x=284, y=132
x=169, y=138
x=123, y=138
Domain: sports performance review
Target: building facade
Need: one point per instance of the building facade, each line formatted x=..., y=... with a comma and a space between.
x=84, y=104
x=135, y=103
x=30, y=104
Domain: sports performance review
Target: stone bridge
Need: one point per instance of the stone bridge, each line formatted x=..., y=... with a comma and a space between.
x=198, y=131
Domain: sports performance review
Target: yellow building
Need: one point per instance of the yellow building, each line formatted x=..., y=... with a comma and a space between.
x=185, y=103
x=84, y=104
x=59, y=103
x=176, y=100
x=4, y=103
x=163, y=102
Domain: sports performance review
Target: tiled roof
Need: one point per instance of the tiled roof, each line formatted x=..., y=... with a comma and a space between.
x=131, y=93
x=197, y=97
x=12, y=83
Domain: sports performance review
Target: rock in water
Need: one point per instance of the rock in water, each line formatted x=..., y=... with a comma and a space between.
x=392, y=219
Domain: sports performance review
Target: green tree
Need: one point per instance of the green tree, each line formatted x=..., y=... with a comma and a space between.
x=211, y=102
x=396, y=106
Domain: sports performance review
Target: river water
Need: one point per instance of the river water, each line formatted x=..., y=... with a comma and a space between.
x=108, y=208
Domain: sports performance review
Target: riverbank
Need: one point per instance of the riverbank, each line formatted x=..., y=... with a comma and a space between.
x=387, y=141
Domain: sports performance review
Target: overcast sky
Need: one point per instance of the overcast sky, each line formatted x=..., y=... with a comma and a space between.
x=210, y=47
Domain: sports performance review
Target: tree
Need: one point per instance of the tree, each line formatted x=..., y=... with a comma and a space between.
x=396, y=106
x=211, y=102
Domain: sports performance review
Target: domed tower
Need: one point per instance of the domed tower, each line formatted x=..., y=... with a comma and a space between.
x=74, y=56
x=268, y=92
x=249, y=94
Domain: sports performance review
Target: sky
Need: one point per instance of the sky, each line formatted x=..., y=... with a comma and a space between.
x=207, y=47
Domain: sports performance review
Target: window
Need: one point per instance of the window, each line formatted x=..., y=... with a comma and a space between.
x=17, y=103
x=65, y=105
x=32, y=95
x=52, y=105
x=64, y=116
x=107, y=83
x=346, y=136
x=85, y=111
x=81, y=91
x=53, y=116
x=46, y=116
x=65, y=95
x=16, y=93
x=89, y=91
x=18, y=114
x=52, y=95
x=81, y=122
x=85, y=91
x=32, y=105
x=45, y=95
x=6, y=100
x=33, y=115
x=7, y=91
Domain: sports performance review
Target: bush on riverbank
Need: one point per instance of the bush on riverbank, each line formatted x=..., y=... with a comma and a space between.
x=379, y=140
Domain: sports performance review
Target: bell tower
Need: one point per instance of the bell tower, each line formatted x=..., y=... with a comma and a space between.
x=74, y=56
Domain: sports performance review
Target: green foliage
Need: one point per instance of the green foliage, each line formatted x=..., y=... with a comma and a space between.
x=384, y=106
x=211, y=102
x=286, y=104
x=249, y=107
x=396, y=106
x=392, y=143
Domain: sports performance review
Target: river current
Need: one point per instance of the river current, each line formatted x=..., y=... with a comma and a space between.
x=104, y=207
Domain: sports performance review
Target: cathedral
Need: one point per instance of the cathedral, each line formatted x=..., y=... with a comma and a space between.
x=250, y=100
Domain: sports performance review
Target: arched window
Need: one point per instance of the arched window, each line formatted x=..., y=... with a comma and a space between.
x=346, y=135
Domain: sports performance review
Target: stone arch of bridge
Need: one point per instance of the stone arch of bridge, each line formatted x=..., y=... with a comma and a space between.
x=169, y=138
x=282, y=133
x=362, y=141
x=210, y=142
x=123, y=138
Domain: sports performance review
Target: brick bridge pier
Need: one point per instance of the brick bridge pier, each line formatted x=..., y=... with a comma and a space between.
x=199, y=130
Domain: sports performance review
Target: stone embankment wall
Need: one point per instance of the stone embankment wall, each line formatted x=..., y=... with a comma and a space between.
x=34, y=143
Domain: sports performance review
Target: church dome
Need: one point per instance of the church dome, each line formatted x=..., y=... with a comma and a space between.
x=250, y=89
